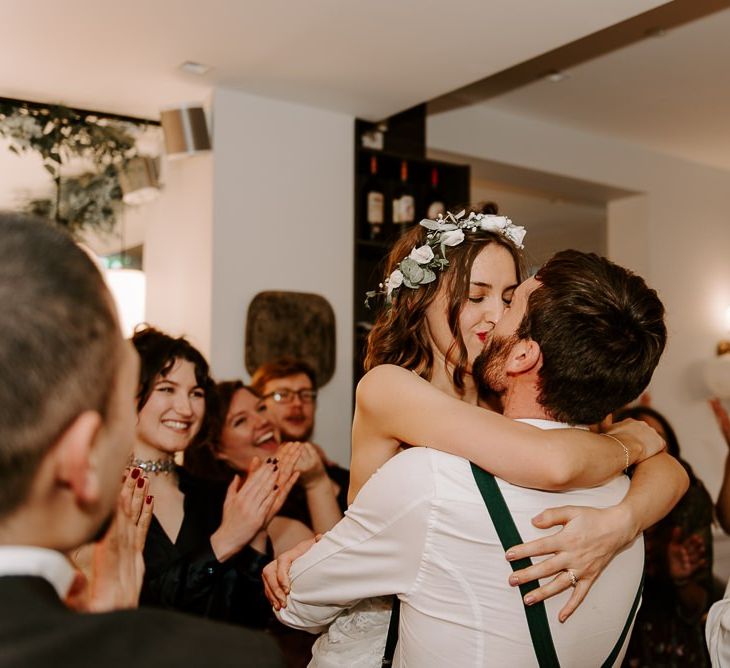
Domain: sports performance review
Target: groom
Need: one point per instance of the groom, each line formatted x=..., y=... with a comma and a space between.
x=422, y=529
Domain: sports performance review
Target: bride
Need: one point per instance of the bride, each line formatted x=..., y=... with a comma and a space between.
x=448, y=284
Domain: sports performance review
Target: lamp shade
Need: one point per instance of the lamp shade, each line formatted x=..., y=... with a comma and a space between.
x=185, y=130
x=717, y=376
x=128, y=287
x=139, y=181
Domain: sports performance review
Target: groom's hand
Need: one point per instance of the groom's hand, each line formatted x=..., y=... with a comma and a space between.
x=276, y=574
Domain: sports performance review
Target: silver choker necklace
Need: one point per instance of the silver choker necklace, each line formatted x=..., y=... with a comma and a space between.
x=154, y=465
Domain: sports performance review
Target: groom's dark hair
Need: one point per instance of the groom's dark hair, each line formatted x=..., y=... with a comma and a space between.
x=601, y=332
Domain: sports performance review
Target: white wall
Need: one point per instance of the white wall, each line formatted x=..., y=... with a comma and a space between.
x=178, y=251
x=677, y=235
x=283, y=220
x=553, y=224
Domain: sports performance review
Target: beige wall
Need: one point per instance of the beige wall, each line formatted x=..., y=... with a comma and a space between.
x=178, y=251
x=283, y=220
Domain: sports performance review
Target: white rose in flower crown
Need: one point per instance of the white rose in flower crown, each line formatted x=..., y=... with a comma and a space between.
x=494, y=223
x=395, y=280
x=516, y=233
x=452, y=238
x=422, y=255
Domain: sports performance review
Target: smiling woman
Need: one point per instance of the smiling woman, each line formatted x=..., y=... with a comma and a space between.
x=207, y=544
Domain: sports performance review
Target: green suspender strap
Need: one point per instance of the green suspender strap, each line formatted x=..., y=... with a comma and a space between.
x=509, y=536
x=542, y=641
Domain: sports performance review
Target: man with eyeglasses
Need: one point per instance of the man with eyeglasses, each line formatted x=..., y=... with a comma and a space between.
x=288, y=387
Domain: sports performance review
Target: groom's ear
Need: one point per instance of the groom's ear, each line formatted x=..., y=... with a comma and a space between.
x=525, y=356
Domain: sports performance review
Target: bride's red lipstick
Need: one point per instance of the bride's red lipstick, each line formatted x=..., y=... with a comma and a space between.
x=482, y=336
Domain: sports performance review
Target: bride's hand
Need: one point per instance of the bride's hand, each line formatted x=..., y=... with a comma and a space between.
x=276, y=574
x=641, y=439
x=585, y=545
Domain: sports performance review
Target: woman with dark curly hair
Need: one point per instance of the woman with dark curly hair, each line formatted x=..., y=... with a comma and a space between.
x=206, y=544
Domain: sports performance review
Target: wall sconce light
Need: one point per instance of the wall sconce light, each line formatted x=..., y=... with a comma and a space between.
x=717, y=370
x=139, y=179
x=723, y=347
x=128, y=287
x=185, y=130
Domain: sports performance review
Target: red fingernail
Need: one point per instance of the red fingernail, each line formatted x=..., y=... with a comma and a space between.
x=149, y=499
x=135, y=473
x=140, y=482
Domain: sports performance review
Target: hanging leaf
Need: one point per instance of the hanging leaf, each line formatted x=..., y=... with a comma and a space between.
x=59, y=134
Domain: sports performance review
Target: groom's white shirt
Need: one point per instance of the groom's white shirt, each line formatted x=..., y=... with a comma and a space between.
x=419, y=528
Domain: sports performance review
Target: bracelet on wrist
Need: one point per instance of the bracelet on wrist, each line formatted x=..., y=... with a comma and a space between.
x=625, y=449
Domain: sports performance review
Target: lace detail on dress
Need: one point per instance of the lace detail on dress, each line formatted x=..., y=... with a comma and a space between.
x=356, y=638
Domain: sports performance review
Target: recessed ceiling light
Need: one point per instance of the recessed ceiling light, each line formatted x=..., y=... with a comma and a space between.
x=191, y=67
x=556, y=76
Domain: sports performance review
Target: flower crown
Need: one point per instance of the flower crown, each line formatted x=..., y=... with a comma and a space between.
x=421, y=265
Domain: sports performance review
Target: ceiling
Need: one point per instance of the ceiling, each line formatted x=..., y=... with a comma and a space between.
x=369, y=59
x=669, y=93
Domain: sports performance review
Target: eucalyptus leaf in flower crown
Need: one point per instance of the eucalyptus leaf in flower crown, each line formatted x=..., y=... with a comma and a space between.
x=422, y=263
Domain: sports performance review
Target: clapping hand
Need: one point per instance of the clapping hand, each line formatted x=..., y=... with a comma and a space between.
x=117, y=563
x=310, y=466
x=284, y=464
x=245, y=509
x=684, y=556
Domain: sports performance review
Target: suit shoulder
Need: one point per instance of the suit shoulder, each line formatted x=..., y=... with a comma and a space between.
x=170, y=638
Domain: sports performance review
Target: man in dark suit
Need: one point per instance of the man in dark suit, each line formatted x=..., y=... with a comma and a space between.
x=67, y=387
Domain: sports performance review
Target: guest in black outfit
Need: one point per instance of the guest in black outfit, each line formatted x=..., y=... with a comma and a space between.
x=244, y=432
x=206, y=544
x=669, y=627
x=66, y=431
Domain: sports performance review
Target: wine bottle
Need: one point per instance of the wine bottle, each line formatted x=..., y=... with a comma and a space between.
x=374, y=201
x=404, y=203
x=436, y=206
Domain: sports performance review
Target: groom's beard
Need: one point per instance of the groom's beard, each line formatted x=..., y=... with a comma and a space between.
x=488, y=369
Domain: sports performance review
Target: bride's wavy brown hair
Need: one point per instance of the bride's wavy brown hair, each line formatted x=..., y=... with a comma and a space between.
x=399, y=335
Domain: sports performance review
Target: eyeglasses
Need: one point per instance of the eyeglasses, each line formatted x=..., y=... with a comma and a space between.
x=287, y=396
